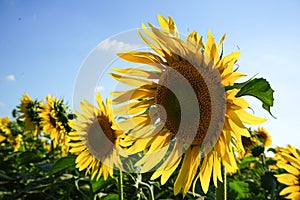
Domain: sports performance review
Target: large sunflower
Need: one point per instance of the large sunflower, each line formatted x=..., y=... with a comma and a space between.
x=289, y=159
x=94, y=141
x=55, y=122
x=155, y=110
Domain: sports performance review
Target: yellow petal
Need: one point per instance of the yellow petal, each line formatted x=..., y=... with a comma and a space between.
x=133, y=122
x=230, y=78
x=134, y=107
x=171, y=163
x=195, y=39
x=139, y=145
x=138, y=93
x=138, y=72
x=241, y=102
x=100, y=102
x=287, y=179
x=141, y=57
x=81, y=156
x=130, y=81
x=248, y=118
x=183, y=175
x=237, y=125
x=163, y=23
x=77, y=149
x=151, y=159
x=157, y=48
x=172, y=27
x=205, y=172
x=291, y=159
x=95, y=169
x=293, y=150
x=221, y=41
x=290, y=189
x=216, y=169
x=289, y=168
x=294, y=196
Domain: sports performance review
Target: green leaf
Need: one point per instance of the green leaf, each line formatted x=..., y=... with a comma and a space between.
x=62, y=164
x=3, y=176
x=241, y=188
x=246, y=161
x=271, y=150
x=44, y=166
x=29, y=157
x=257, y=151
x=101, y=184
x=268, y=180
x=260, y=89
x=111, y=196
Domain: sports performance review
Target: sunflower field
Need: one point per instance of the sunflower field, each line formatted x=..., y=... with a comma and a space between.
x=182, y=129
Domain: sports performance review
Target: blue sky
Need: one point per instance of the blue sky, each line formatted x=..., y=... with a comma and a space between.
x=44, y=43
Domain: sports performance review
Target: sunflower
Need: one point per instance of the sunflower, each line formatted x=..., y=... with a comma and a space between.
x=55, y=122
x=29, y=113
x=4, y=121
x=175, y=75
x=4, y=130
x=264, y=135
x=258, y=141
x=95, y=142
x=289, y=159
x=6, y=134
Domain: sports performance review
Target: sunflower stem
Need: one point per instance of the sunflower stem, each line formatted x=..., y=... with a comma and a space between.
x=221, y=190
x=121, y=192
x=150, y=189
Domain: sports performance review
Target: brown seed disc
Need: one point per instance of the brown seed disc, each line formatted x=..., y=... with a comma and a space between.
x=168, y=100
x=100, y=137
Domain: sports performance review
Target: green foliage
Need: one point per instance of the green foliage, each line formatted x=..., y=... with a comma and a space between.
x=63, y=163
x=258, y=88
x=240, y=188
x=33, y=169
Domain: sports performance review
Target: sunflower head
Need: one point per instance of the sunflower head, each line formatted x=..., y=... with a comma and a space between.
x=258, y=141
x=29, y=113
x=179, y=110
x=55, y=122
x=4, y=121
x=183, y=89
x=11, y=133
x=4, y=129
x=289, y=159
x=94, y=140
x=264, y=136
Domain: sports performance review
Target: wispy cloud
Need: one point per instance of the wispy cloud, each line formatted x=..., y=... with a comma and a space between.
x=99, y=88
x=10, y=77
x=114, y=45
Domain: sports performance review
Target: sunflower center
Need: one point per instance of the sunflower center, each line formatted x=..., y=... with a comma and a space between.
x=100, y=137
x=171, y=114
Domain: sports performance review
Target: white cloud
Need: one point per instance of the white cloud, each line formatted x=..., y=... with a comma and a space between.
x=10, y=77
x=99, y=88
x=114, y=45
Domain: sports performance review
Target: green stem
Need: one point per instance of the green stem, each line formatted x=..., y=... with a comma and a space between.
x=150, y=189
x=221, y=190
x=121, y=192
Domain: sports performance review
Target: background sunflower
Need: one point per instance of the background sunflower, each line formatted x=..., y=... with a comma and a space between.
x=288, y=158
x=95, y=142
